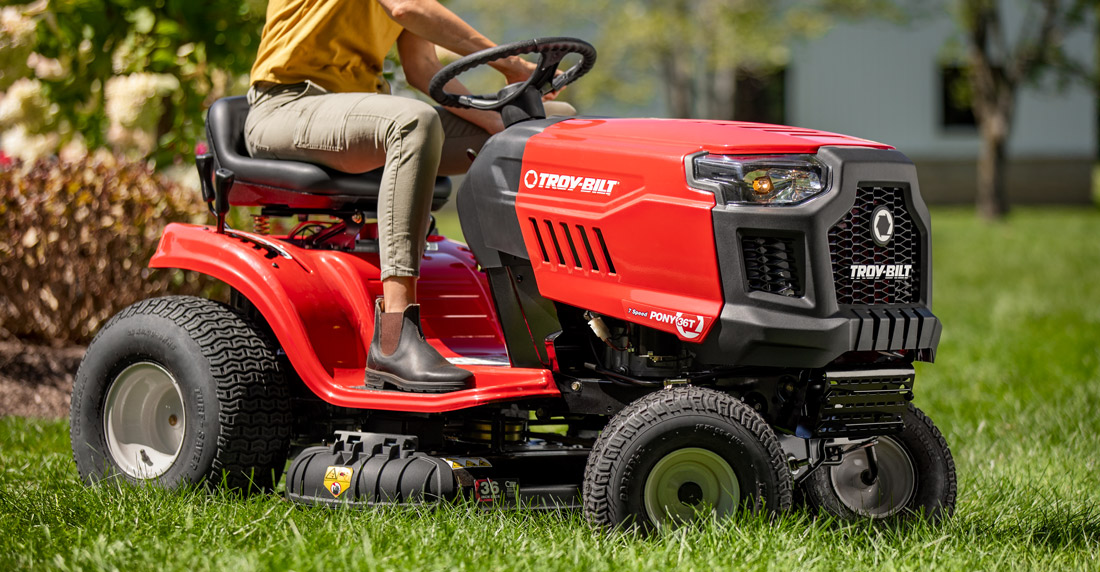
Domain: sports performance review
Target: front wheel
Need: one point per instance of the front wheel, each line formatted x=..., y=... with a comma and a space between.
x=904, y=475
x=178, y=391
x=680, y=454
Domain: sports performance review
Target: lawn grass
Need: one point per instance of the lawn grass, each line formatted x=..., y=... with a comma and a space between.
x=1016, y=391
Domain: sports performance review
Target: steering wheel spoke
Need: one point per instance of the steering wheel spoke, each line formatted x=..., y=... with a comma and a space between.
x=545, y=78
x=476, y=101
x=547, y=69
x=559, y=82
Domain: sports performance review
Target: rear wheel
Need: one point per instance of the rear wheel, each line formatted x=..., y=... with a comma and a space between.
x=180, y=390
x=904, y=475
x=680, y=454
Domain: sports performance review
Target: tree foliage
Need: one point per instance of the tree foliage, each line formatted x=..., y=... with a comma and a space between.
x=191, y=52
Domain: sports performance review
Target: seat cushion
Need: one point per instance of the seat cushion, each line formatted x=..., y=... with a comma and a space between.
x=280, y=180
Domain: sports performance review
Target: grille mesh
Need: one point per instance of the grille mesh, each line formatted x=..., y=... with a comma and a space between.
x=770, y=265
x=851, y=243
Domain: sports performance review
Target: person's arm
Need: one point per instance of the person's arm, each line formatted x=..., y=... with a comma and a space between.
x=433, y=22
x=420, y=62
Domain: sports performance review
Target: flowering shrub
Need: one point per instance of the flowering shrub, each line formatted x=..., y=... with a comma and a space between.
x=25, y=121
x=132, y=75
x=16, y=44
x=75, y=242
x=134, y=107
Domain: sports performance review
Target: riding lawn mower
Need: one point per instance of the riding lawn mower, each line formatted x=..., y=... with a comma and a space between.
x=664, y=319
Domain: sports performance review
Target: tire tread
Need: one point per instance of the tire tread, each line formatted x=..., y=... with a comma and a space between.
x=254, y=414
x=607, y=453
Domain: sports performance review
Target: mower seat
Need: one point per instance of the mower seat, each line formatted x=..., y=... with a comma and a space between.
x=290, y=185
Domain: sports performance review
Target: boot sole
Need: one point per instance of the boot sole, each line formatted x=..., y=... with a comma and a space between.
x=377, y=380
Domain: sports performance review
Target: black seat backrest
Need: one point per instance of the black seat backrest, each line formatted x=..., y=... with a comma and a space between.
x=291, y=184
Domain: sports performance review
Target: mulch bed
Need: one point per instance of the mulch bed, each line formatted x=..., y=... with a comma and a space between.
x=36, y=381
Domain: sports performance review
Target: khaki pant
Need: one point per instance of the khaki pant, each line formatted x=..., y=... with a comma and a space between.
x=359, y=132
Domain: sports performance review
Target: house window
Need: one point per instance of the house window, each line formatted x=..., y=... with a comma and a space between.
x=761, y=96
x=957, y=110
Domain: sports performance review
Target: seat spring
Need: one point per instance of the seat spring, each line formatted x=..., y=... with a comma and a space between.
x=261, y=224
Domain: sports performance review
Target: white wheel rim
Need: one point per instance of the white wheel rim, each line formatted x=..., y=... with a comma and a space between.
x=886, y=495
x=144, y=420
x=690, y=482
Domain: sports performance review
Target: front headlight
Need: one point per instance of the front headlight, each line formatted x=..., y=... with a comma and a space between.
x=767, y=180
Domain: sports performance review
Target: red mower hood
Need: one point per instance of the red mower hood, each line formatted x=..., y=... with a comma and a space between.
x=626, y=196
x=722, y=137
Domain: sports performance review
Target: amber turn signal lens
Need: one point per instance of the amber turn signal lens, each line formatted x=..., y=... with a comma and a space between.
x=762, y=186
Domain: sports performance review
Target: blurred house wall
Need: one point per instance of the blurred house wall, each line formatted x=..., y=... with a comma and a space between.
x=883, y=82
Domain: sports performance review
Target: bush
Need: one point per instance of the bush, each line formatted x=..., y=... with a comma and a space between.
x=132, y=75
x=75, y=240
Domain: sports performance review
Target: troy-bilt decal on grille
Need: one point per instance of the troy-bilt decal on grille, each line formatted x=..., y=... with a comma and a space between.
x=689, y=326
x=533, y=179
x=881, y=271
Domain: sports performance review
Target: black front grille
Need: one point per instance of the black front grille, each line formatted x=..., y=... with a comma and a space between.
x=771, y=266
x=851, y=244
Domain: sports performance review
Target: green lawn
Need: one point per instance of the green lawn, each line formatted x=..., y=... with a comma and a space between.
x=1016, y=391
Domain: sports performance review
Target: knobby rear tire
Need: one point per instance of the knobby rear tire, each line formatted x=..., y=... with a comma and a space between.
x=236, y=418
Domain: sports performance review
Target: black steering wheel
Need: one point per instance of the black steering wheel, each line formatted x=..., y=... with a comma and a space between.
x=545, y=78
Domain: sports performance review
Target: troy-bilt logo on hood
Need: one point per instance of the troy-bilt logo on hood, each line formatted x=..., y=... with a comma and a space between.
x=689, y=326
x=533, y=179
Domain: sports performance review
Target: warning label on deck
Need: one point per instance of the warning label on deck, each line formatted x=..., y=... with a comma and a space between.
x=338, y=480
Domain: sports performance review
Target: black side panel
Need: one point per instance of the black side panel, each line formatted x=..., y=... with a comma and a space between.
x=526, y=317
x=487, y=197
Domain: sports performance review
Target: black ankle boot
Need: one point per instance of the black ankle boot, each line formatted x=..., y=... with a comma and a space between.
x=399, y=356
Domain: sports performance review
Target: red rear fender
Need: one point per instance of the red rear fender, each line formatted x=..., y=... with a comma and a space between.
x=319, y=304
x=320, y=314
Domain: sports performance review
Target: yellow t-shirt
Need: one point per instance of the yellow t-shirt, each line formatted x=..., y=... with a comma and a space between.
x=338, y=44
